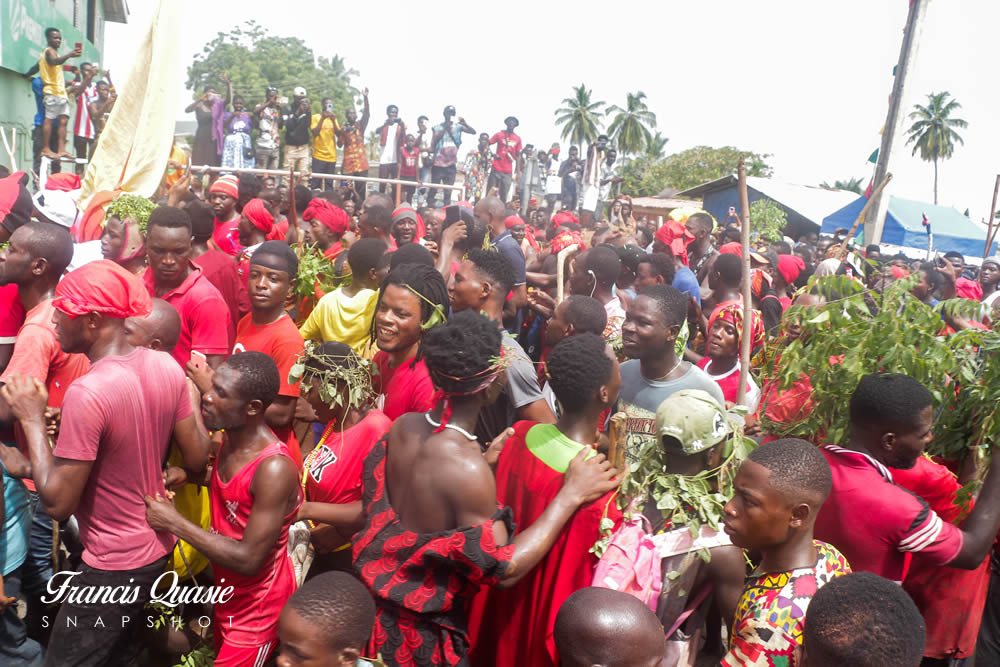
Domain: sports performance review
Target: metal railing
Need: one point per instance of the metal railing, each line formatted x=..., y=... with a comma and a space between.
x=399, y=183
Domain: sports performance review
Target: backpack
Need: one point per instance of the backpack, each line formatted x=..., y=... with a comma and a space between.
x=630, y=563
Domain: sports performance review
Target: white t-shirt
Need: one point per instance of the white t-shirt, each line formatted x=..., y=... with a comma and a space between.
x=553, y=184
x=389, y=150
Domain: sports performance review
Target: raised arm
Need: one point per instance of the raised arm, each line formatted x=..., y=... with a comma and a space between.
x=365, y=114
x=274, y=488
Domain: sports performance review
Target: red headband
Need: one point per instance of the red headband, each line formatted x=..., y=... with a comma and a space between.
x=333, y=217
x=102, y=287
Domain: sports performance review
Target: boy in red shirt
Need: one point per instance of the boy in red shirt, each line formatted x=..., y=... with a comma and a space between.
x=413, y=298
x=255, y=496
x=205, y=324
x=408, y=158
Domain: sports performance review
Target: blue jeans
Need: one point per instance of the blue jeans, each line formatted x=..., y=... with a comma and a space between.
x=16, y=648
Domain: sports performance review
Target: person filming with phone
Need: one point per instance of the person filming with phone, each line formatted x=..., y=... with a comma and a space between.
x=324, y=141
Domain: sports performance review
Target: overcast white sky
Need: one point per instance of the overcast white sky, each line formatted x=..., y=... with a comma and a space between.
x=807, y=82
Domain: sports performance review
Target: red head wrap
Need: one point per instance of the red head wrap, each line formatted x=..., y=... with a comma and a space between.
x=731, y=248
x=256, y=212
x=512, y=221
x=102, y=287
x=675, y=236
x=227, y=185
x=790, y=267
x=563, y=217
x=333, y=217
x=64, y=181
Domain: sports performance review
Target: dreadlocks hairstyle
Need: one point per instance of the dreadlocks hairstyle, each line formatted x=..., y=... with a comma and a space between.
x=339, y=607
x=426, y=282
x=798, y=469
x=496, y=267
x=460, y=353
x=862, y=619
x=577, y=368
x=259, y=379
x=889, y=400
x=333, y=363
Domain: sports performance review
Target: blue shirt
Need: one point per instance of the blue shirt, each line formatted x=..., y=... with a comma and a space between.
x=510, y=249
x=686, y=281
x=36, y=88
x=16, y=523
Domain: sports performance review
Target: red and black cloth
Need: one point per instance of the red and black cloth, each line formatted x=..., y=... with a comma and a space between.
x=422, y=582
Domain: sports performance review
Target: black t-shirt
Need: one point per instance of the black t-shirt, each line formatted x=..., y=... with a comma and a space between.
x=297, y=129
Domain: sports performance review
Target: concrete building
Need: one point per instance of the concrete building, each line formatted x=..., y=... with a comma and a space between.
x=22, y=39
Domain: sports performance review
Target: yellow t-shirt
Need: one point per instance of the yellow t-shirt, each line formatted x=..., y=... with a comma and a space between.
x=325, y=145
x=52, y=77
x=347, y=320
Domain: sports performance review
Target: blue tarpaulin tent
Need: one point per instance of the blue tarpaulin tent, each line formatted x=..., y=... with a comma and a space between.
x=904, y=226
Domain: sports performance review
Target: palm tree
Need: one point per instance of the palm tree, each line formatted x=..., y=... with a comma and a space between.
x=580, y=117
x=851, y=185
x=657, y=146
x=631, y=127
x=933, y=133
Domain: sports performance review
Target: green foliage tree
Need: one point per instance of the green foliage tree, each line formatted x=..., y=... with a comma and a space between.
x=767, y=220
x=580, y=118
x=703, y=163
x=645, y=176
x=860, y=331
x=851, y=185
x=648, y=175
x=657, y=145
x=631, y=127
x=254, y=59
x=933, y=131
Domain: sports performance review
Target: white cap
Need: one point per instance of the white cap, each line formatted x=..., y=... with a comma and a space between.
x=300, y=91
x=56, y=206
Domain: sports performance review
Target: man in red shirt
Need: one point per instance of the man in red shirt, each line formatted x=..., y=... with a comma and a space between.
x=874, y=522
x=118, y=419
x=205, y=324
x=412, y=299
x=218, y=267
x=508, y=149
x=36, y=258
x=515, y=626
x=269, y=329
x=255, y=495
x=223, y=195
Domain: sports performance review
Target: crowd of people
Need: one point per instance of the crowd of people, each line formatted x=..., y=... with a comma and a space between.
x=508, y=436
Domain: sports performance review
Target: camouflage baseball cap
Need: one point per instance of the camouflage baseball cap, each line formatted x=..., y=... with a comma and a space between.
x=694, y=419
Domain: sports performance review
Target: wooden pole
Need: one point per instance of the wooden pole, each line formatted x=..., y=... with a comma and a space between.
x=842, y=253
x=561, y=271
x=991, y=229
x=616, y=442
x=895, y=115
x=747, y=301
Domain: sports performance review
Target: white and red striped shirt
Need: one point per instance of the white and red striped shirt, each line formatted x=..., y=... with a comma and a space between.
x=83, y=127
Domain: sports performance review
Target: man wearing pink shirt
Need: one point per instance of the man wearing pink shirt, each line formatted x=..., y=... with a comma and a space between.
x=118, y=419
x=206, y=327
